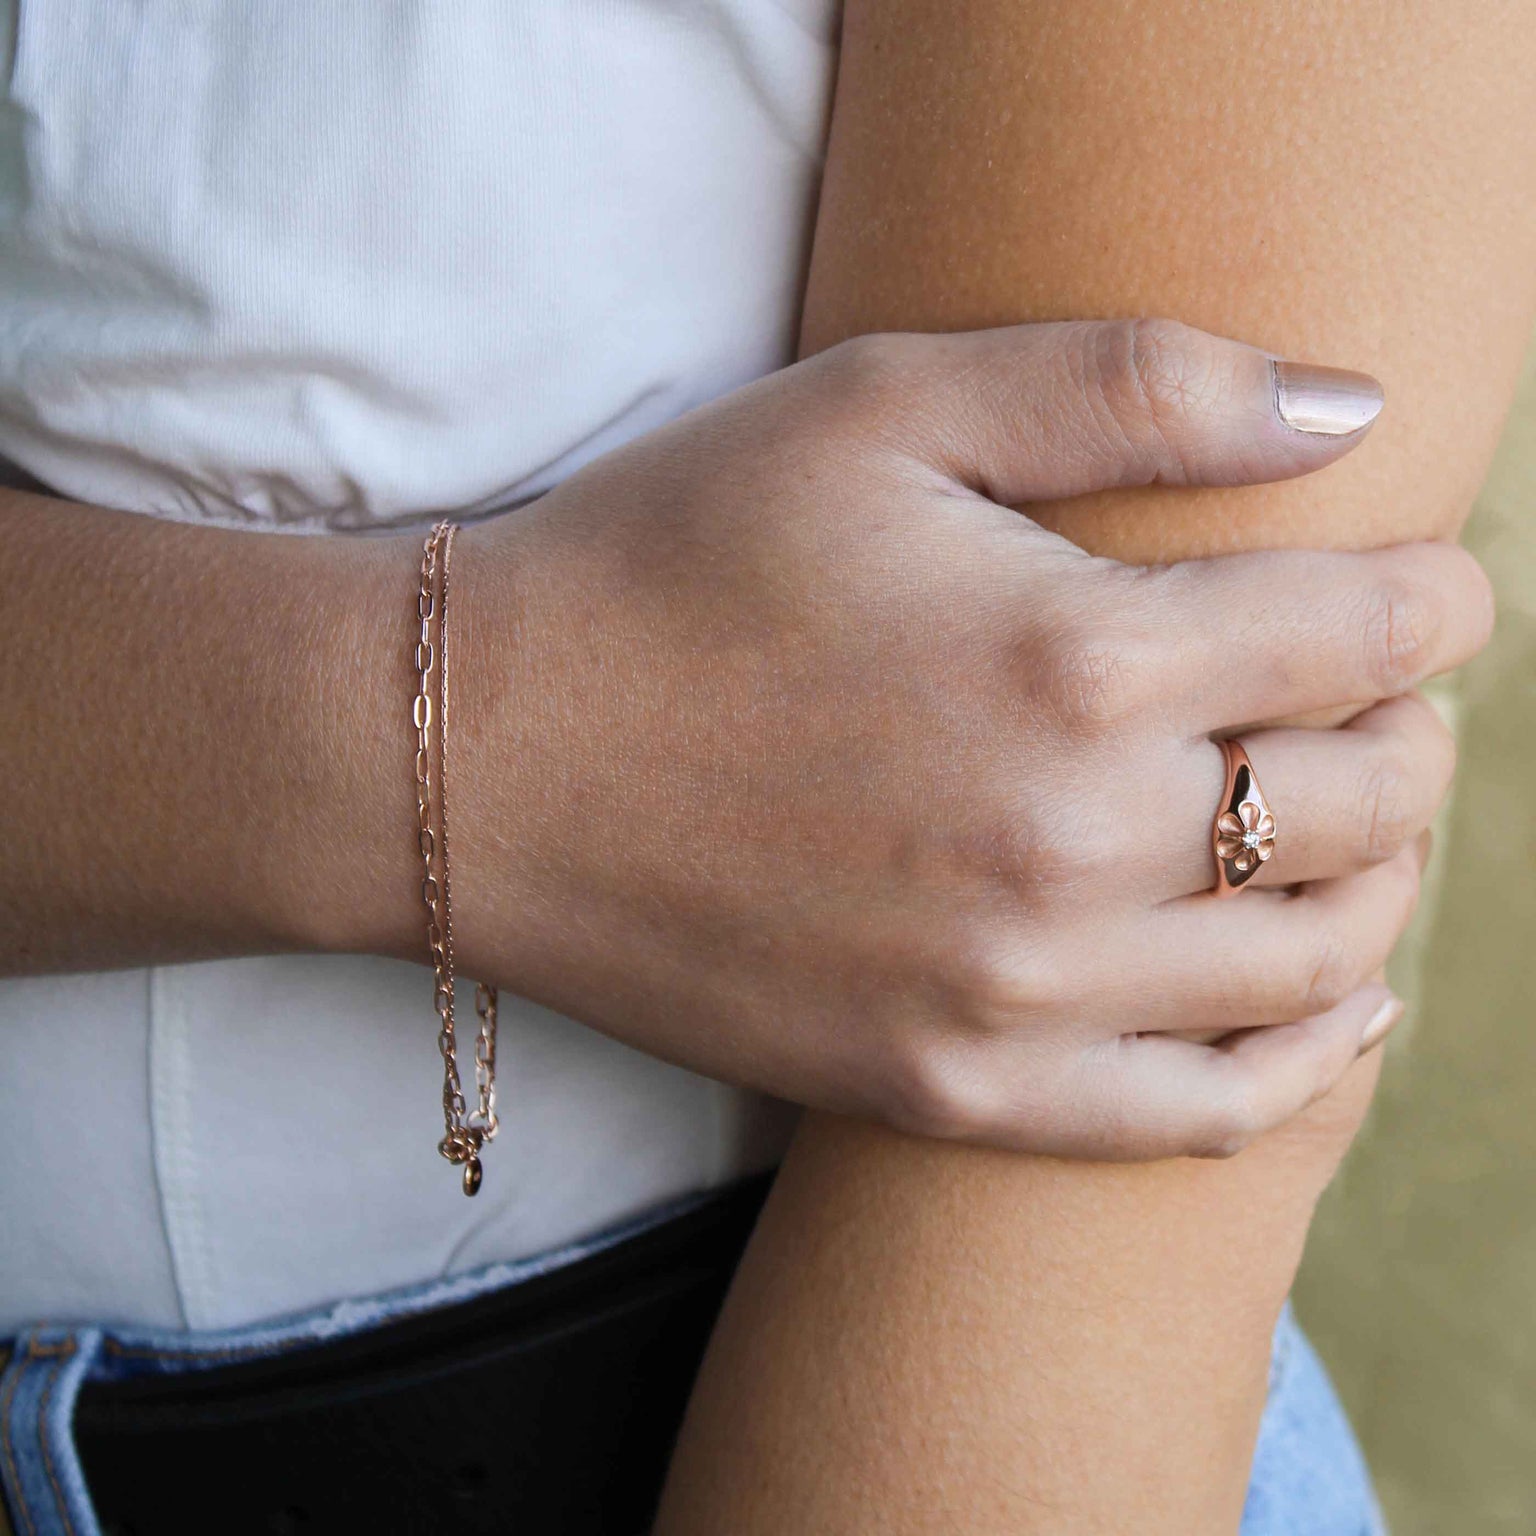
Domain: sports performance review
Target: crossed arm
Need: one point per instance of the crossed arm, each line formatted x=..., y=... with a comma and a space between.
x=939, y=1338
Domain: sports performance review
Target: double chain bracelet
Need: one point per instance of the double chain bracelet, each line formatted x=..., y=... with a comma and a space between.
x=465, y=1131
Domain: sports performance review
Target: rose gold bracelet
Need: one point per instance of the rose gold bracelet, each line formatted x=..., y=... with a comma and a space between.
x=464, y=1132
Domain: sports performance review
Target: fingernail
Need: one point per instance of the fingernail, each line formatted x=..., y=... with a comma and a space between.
x=1382, y=1023
x=1330, y=402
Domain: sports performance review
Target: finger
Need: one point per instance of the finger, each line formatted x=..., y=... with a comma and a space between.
x=1284, y=632
x=1155, y=1096
x=1264, y=957
x=1036, y=412
x=1342, y=800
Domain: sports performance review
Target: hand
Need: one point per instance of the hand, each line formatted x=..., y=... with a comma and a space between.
x=787, y=752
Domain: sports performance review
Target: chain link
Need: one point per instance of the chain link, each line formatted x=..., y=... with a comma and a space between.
x=464, y=1133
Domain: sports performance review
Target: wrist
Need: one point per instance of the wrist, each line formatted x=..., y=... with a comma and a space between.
x=503, y=786
x=354, y=886
x=362, y=881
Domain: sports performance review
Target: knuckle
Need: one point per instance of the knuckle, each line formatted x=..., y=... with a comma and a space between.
x=1232, y=1127
x=1169, y=365
x=1097, y=679
x=1154, y=374
x=994, y=984
x=1390, y=802
x=869, y=369
x=1441, y=754
x=933, y=1088
x=1409, y=886
x=1037, y=856
x=1398, y=630
x=1431, y=733
x=1484, y=611
x=1062, y=867
x=1328, y=974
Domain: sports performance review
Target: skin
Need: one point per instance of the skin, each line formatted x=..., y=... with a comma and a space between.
x=940, y=1338
x=942, y=933
x=175, y=810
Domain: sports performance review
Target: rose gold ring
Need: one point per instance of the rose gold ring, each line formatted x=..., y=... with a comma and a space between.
x=1243, y=835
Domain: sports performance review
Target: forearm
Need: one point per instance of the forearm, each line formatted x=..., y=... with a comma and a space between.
x=207, y=743
x=949, y=1339
x=1351, y=184
x=939, y=1338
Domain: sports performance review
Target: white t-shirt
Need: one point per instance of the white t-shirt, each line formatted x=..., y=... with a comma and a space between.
x=345, y=267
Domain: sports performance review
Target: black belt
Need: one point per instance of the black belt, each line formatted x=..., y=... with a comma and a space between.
x=550, y=1407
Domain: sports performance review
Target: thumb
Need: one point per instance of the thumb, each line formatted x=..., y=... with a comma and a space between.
x=1040, y=412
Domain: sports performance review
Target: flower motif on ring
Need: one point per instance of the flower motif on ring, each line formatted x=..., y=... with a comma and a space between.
x=1247, y=839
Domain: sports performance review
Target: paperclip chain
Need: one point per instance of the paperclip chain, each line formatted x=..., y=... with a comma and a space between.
x=464, y=1132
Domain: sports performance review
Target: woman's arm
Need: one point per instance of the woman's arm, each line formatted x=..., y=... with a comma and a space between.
x=1352, y=183
x=200, y=728
x=929, y=1338
x=683, y=815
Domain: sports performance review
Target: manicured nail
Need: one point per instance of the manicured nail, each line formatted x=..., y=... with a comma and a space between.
x=1382, y=1023
x=1330, y=402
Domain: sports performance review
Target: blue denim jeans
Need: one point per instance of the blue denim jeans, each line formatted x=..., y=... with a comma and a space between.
x=1309, y=1478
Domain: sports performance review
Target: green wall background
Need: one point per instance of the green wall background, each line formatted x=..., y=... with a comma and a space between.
x=1419, y=1285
